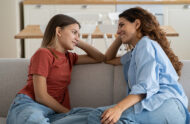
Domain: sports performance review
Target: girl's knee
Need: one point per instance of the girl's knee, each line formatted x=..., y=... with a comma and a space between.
x=32, y=117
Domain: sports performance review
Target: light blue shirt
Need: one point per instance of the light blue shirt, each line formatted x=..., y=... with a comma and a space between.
x=148, y=70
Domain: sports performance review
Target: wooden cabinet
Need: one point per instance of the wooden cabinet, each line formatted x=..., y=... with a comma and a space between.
x=174, y=15
x=178, y=16
x=41, y=14
x=157, y=10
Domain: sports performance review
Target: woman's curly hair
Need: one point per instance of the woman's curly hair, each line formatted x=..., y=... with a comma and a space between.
x=150, y=27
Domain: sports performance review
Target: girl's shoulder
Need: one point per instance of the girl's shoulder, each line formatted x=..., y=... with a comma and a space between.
x=42, y=52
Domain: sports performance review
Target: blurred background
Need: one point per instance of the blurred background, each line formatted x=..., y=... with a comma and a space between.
x=16, y=15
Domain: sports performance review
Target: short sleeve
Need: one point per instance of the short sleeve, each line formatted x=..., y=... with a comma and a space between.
x=147, y=72
x=41, y=62
x=73, y=58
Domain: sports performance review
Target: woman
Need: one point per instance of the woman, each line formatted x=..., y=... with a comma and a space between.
x=45, y=98
x=151, y=70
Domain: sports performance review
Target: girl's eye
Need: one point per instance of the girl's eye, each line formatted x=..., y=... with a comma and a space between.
x=74, y=32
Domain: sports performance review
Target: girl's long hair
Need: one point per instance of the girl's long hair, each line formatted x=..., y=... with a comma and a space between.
x=150, y=27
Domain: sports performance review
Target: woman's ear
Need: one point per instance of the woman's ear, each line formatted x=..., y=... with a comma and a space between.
x=137, y=24
x=58, y=31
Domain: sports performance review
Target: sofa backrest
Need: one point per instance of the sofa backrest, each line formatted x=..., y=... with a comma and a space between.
x=92, y=85
x=13, y=76
x=185, y=79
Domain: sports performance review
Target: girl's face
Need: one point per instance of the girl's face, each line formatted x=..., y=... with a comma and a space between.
x=68, y=36
x=128, y=31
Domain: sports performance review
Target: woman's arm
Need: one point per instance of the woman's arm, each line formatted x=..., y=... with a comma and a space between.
x=110, y=56
x=114, y=61
x=42, y=96
x=112, y=50
x=93, y=55
x=113, y=114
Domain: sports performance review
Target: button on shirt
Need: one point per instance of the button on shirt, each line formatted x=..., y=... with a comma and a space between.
x=148, y=70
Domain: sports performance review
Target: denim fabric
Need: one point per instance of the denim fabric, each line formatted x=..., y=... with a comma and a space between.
x=170, y=112
x=25, y=110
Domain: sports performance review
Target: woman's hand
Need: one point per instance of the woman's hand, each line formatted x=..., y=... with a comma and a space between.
x=111, y=115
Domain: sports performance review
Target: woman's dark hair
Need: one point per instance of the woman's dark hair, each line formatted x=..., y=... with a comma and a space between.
x=59, y=20
x=150, y=27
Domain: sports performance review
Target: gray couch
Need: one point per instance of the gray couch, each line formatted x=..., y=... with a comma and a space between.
x=92, y=85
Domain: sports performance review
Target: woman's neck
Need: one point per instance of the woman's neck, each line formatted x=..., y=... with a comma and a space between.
x=136, y=39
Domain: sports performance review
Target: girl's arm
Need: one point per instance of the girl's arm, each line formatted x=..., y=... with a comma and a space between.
x=42, y=96
x=93, y=55
x=113, y=114
x=110, y=56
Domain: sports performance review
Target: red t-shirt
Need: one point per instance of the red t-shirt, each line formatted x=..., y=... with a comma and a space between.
x=56, y=70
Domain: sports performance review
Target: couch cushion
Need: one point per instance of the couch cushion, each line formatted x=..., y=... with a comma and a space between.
x=91, y=85
x=185, y=78
x=2, y=120
x=120, y=86
x=13, y=77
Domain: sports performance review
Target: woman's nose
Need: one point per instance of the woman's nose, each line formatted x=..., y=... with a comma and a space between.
x=118, y=31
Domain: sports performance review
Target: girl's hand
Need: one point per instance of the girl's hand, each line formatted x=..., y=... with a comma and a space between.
x=66, y=110
x=111, y=115
x=79, y=43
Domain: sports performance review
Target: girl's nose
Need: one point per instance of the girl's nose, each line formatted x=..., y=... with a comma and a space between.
x=77, y=37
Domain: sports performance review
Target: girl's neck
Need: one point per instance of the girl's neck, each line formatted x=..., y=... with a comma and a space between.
x=60, y=49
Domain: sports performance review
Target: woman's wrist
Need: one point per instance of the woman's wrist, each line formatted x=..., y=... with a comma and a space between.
x=118, y=39
x=119, y=108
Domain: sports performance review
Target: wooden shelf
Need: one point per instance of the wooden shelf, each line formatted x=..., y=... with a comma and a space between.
x=106, y=2
x=33, y=31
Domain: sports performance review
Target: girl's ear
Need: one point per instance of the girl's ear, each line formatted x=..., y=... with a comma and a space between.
x=58, y=31
x=137, y=24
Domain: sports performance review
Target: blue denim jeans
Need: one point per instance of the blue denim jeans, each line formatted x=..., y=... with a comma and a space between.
x=25, y=110
x=170, y=112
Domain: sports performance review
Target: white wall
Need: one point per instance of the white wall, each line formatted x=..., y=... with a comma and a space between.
x=9, y=26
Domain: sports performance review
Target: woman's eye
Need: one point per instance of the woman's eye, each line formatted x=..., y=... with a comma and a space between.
x=121, y=25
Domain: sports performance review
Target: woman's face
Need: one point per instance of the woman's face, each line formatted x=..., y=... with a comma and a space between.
x=69, y=36
x=127, y=31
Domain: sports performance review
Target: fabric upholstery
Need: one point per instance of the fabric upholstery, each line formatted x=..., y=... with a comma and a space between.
x=185, y=79
x=92, y=85
x=13, y=76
